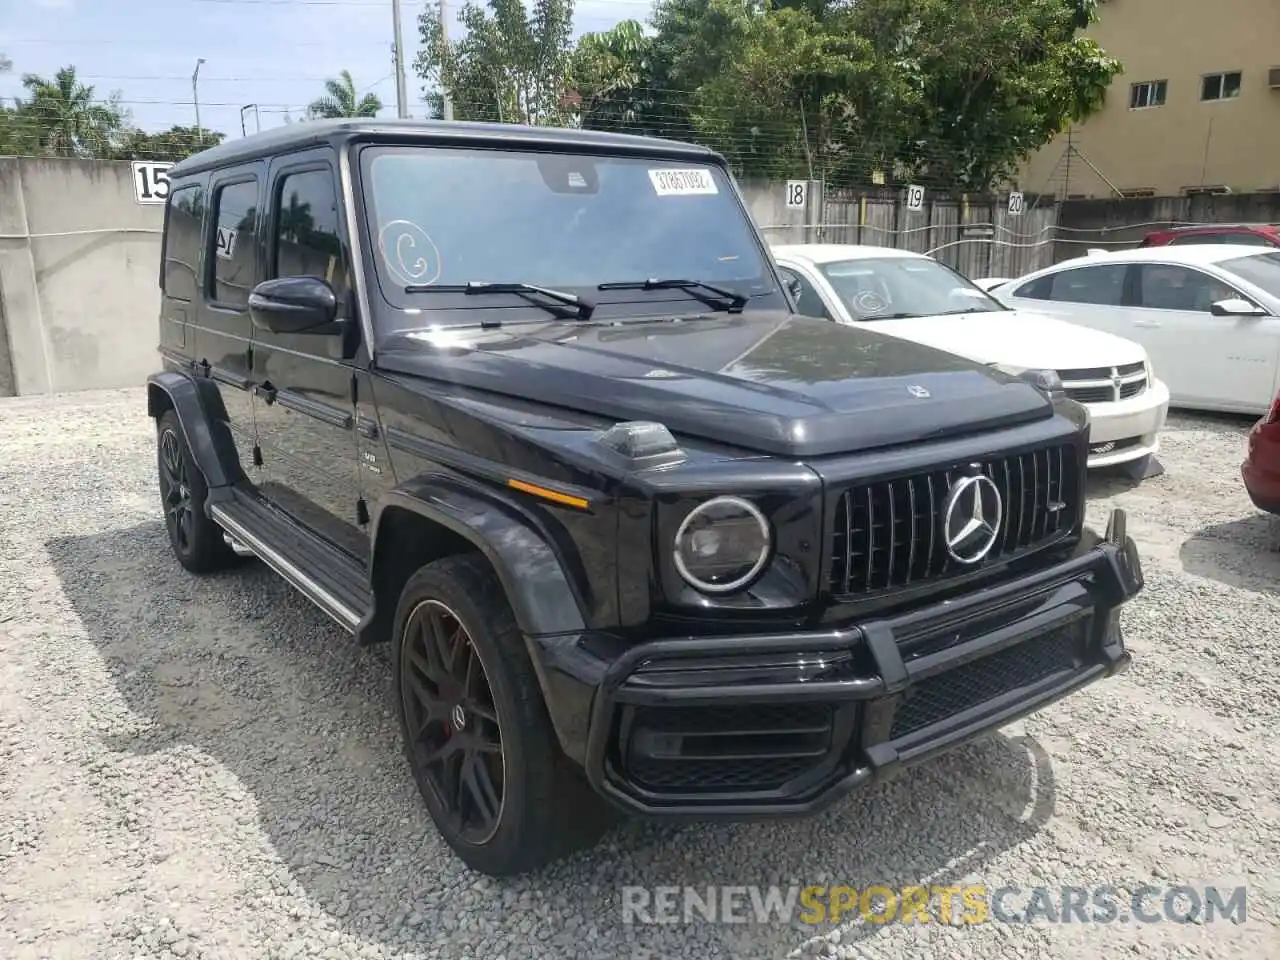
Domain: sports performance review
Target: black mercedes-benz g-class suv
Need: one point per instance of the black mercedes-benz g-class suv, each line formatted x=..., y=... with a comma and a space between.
x=534, y=405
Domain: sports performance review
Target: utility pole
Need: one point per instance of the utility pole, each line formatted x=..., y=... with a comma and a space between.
x=195, y=97
x=445, y=99
x=402, y=98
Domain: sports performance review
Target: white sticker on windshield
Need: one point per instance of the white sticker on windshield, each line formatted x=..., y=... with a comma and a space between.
x=675, y=183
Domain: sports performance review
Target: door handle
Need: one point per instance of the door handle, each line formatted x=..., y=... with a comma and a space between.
x=1146, y=323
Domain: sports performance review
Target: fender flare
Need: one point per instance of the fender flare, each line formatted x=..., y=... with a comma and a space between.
x=541, y=593
x=203, y=420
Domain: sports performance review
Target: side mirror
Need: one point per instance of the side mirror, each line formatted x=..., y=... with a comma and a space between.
x=1235, y=307
x=294, y=305
x=793, y=285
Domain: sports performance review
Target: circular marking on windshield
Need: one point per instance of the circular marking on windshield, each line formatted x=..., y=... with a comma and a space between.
x=410, y=254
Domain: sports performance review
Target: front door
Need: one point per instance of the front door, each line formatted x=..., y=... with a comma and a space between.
x=229, y=266
x=1227, y=362
x=304, y=404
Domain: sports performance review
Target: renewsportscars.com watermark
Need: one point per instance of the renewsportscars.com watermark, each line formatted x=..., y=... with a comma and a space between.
x=959, y=905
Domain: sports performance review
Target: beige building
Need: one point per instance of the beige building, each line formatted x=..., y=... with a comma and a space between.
x=1197, y=107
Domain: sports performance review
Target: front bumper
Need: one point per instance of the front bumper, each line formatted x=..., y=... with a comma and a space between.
x=1127, y=429
x=765, y=726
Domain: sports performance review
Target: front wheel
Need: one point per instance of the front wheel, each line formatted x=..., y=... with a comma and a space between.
x=476, y=733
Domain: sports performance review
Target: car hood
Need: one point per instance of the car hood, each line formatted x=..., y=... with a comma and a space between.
x=1018, y=338
x=766, y=381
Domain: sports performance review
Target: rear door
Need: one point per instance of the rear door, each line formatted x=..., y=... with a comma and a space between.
x=229, y=269
x=1091, y=295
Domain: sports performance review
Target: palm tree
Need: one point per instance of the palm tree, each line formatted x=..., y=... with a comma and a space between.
x=340, y=100
x=69, y=121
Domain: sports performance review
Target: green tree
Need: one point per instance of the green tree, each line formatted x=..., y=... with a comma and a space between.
x=341, y=99
x=610, y=78
x=983, y=83
x=65, y=118
x=952, y=93
x=511, y=65
x=176, y=143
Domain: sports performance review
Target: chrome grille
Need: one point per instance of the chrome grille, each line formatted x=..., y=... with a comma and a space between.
x=1104, y=384
x=888, y=534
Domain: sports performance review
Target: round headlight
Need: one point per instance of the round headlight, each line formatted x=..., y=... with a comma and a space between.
x=722, y=545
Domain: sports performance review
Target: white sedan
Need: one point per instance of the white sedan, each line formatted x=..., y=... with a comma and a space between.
x=915, y=297
x=1207, y=314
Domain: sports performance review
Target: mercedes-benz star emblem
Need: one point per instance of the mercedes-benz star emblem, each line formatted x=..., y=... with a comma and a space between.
x=918, y=391
x=971, y=517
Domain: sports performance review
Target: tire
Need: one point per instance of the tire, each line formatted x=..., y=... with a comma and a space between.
x=196, y=540
x=541, y=807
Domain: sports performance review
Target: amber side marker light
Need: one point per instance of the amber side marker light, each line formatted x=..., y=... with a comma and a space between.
x=553, y=495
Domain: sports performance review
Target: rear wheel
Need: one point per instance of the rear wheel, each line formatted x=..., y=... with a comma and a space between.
x=196, y=540
x=476, y=732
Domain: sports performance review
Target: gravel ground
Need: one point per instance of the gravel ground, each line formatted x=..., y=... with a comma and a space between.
x=207, y=767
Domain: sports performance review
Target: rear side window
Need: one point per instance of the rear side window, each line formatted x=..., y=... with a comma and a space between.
x=234, y=274
x=1101, y=284
x=307, y=238
x=182, y=242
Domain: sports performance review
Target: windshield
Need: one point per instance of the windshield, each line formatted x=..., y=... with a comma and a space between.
x=1260, y=269
x=441, y=218
x=877, y=288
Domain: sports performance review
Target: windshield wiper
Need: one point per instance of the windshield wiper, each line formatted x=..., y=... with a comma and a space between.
x=583, y=307
x=712, y=296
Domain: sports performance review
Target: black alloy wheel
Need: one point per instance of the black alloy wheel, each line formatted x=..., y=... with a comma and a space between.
x=475, y=729
x=175, y=490
x=451, y=720
x=197, y=541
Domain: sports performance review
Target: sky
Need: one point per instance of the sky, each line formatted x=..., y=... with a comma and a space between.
x=275, y=53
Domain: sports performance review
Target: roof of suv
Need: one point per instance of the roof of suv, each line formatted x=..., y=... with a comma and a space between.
x=307, y=133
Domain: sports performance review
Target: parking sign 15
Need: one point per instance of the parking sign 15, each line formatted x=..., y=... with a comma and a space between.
x=151, y=181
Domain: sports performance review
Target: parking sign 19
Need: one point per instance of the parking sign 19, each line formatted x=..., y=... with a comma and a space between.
x=915, y=197
x=151, y=181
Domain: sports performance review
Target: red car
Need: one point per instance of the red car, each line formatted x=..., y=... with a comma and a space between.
x=1256, y=234
x=1261, y=467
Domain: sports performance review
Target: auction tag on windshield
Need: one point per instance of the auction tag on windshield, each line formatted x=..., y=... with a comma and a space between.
x=674, y=183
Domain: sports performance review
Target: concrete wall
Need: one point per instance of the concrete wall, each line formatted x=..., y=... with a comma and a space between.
x=79, y=268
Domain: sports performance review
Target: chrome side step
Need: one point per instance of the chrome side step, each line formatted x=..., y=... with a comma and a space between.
x=330, y=580
x=237, y=547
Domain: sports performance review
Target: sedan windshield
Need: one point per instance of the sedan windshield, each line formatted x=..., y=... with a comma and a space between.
x=1260, y=269
x=879, y=288
x=441, y=219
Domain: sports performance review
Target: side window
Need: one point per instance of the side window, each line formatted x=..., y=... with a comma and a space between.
x=234, y=274
x=1037, y=289
x=809, y=302
x=1166, y=286
x=1102, y=284
x=182, y=242
x=307, y=240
